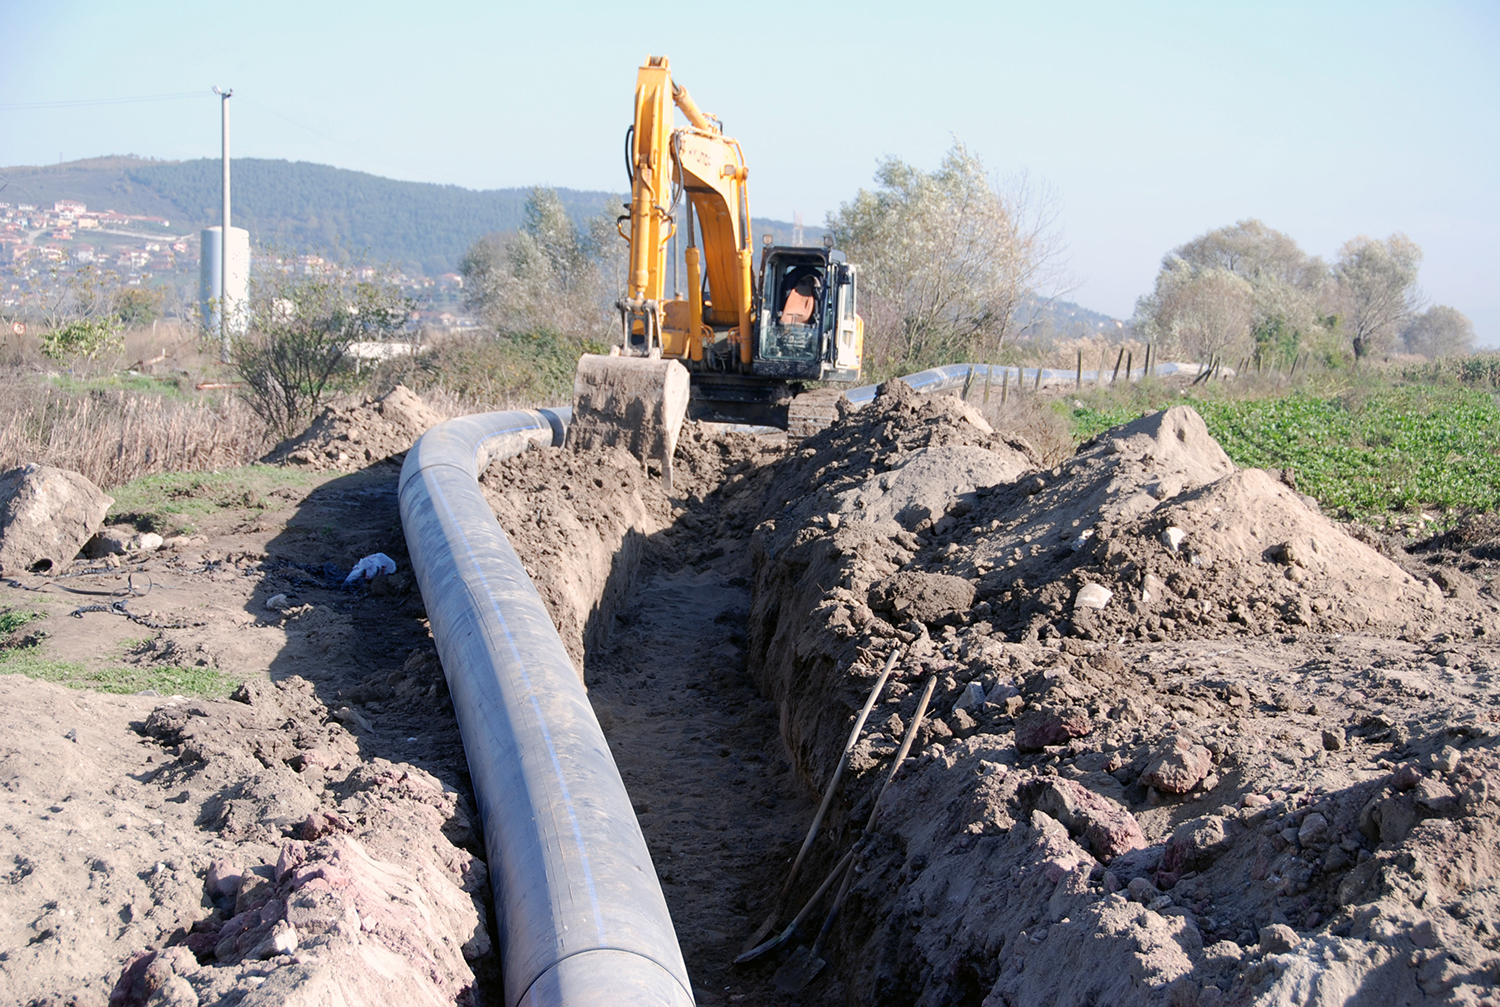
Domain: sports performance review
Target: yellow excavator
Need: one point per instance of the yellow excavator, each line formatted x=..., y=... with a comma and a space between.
x=745, y=336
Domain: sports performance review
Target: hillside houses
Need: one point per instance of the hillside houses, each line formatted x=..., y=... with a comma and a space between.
x=33, y=238
x=41, y=244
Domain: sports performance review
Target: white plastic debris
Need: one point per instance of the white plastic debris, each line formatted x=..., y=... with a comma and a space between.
x=373, y=564
x=1093, y=596
x=1081, y=540
x=1172, y=538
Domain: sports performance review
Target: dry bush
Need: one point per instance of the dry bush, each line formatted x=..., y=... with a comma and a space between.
x=113, y=437
x=1035, y=417
x=479, y=371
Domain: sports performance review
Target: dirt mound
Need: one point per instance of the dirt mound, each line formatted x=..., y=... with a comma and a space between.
x=282, y=859
x=1107, y=806
x=1150, y=531
x=1468, y=554
x=351, y=437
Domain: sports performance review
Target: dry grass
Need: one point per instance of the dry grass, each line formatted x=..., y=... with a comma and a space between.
x=113, y=437
x=1063, y=354
x=473, y=372
x=1034, y=417
x=111, y=422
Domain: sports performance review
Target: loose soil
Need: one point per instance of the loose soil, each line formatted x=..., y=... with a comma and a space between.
x=1191, y=741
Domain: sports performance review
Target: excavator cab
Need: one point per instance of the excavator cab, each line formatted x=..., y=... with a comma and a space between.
x=806, y=327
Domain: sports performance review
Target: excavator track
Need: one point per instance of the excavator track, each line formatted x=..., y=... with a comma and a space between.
x=812, y=412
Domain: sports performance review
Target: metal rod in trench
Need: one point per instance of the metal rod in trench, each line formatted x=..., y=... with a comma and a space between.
x=786, y=935
x=798, y=973
x=828, y=792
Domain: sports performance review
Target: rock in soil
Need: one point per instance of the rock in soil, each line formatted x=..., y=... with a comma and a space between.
x=46, y=516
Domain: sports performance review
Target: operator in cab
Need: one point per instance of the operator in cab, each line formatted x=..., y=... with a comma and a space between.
x=801, y=302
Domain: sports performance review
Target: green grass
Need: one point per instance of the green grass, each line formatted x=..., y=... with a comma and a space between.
x=174, y=387
x=168, y=502
x=28, y=660
x=12, y=619
x=1367, y=452
x=206, y=682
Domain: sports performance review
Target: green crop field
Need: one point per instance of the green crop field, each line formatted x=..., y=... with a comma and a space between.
x=1400, y=448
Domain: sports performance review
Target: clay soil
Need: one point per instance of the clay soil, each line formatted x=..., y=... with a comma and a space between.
x=1190, y=741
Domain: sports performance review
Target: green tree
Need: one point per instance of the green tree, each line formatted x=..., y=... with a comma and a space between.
x=549, y=277
x=299, y=333
x=1287, y=289
x=76, y=311
x=948, y=261
x=1377, y=290
x=139, y=305
x=82, y=339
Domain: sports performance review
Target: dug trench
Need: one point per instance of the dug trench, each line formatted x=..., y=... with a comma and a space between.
x=312, y=835
x=1261, y=770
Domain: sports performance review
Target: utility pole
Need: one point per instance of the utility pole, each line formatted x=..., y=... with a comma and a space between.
x=224, y=97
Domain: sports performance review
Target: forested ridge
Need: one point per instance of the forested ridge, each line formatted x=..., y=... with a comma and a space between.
x=298, y=205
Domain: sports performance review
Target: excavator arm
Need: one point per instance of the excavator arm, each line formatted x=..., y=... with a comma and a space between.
x=700, y=170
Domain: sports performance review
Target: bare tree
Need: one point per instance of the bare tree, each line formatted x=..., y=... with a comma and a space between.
x=1377, y=289
x=1199, y=312
x=1438, y=332
x=948, y=260
x=300, y=330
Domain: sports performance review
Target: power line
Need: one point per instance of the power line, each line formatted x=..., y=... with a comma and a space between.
x=28, y=105
x=350, y=144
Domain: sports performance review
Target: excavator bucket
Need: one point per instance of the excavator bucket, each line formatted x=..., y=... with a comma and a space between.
x=634, y=402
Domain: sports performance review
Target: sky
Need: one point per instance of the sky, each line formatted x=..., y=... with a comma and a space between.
x=1149, y=123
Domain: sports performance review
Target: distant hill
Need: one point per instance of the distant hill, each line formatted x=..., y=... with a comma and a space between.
x=1055, y=320
x=299, y=206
